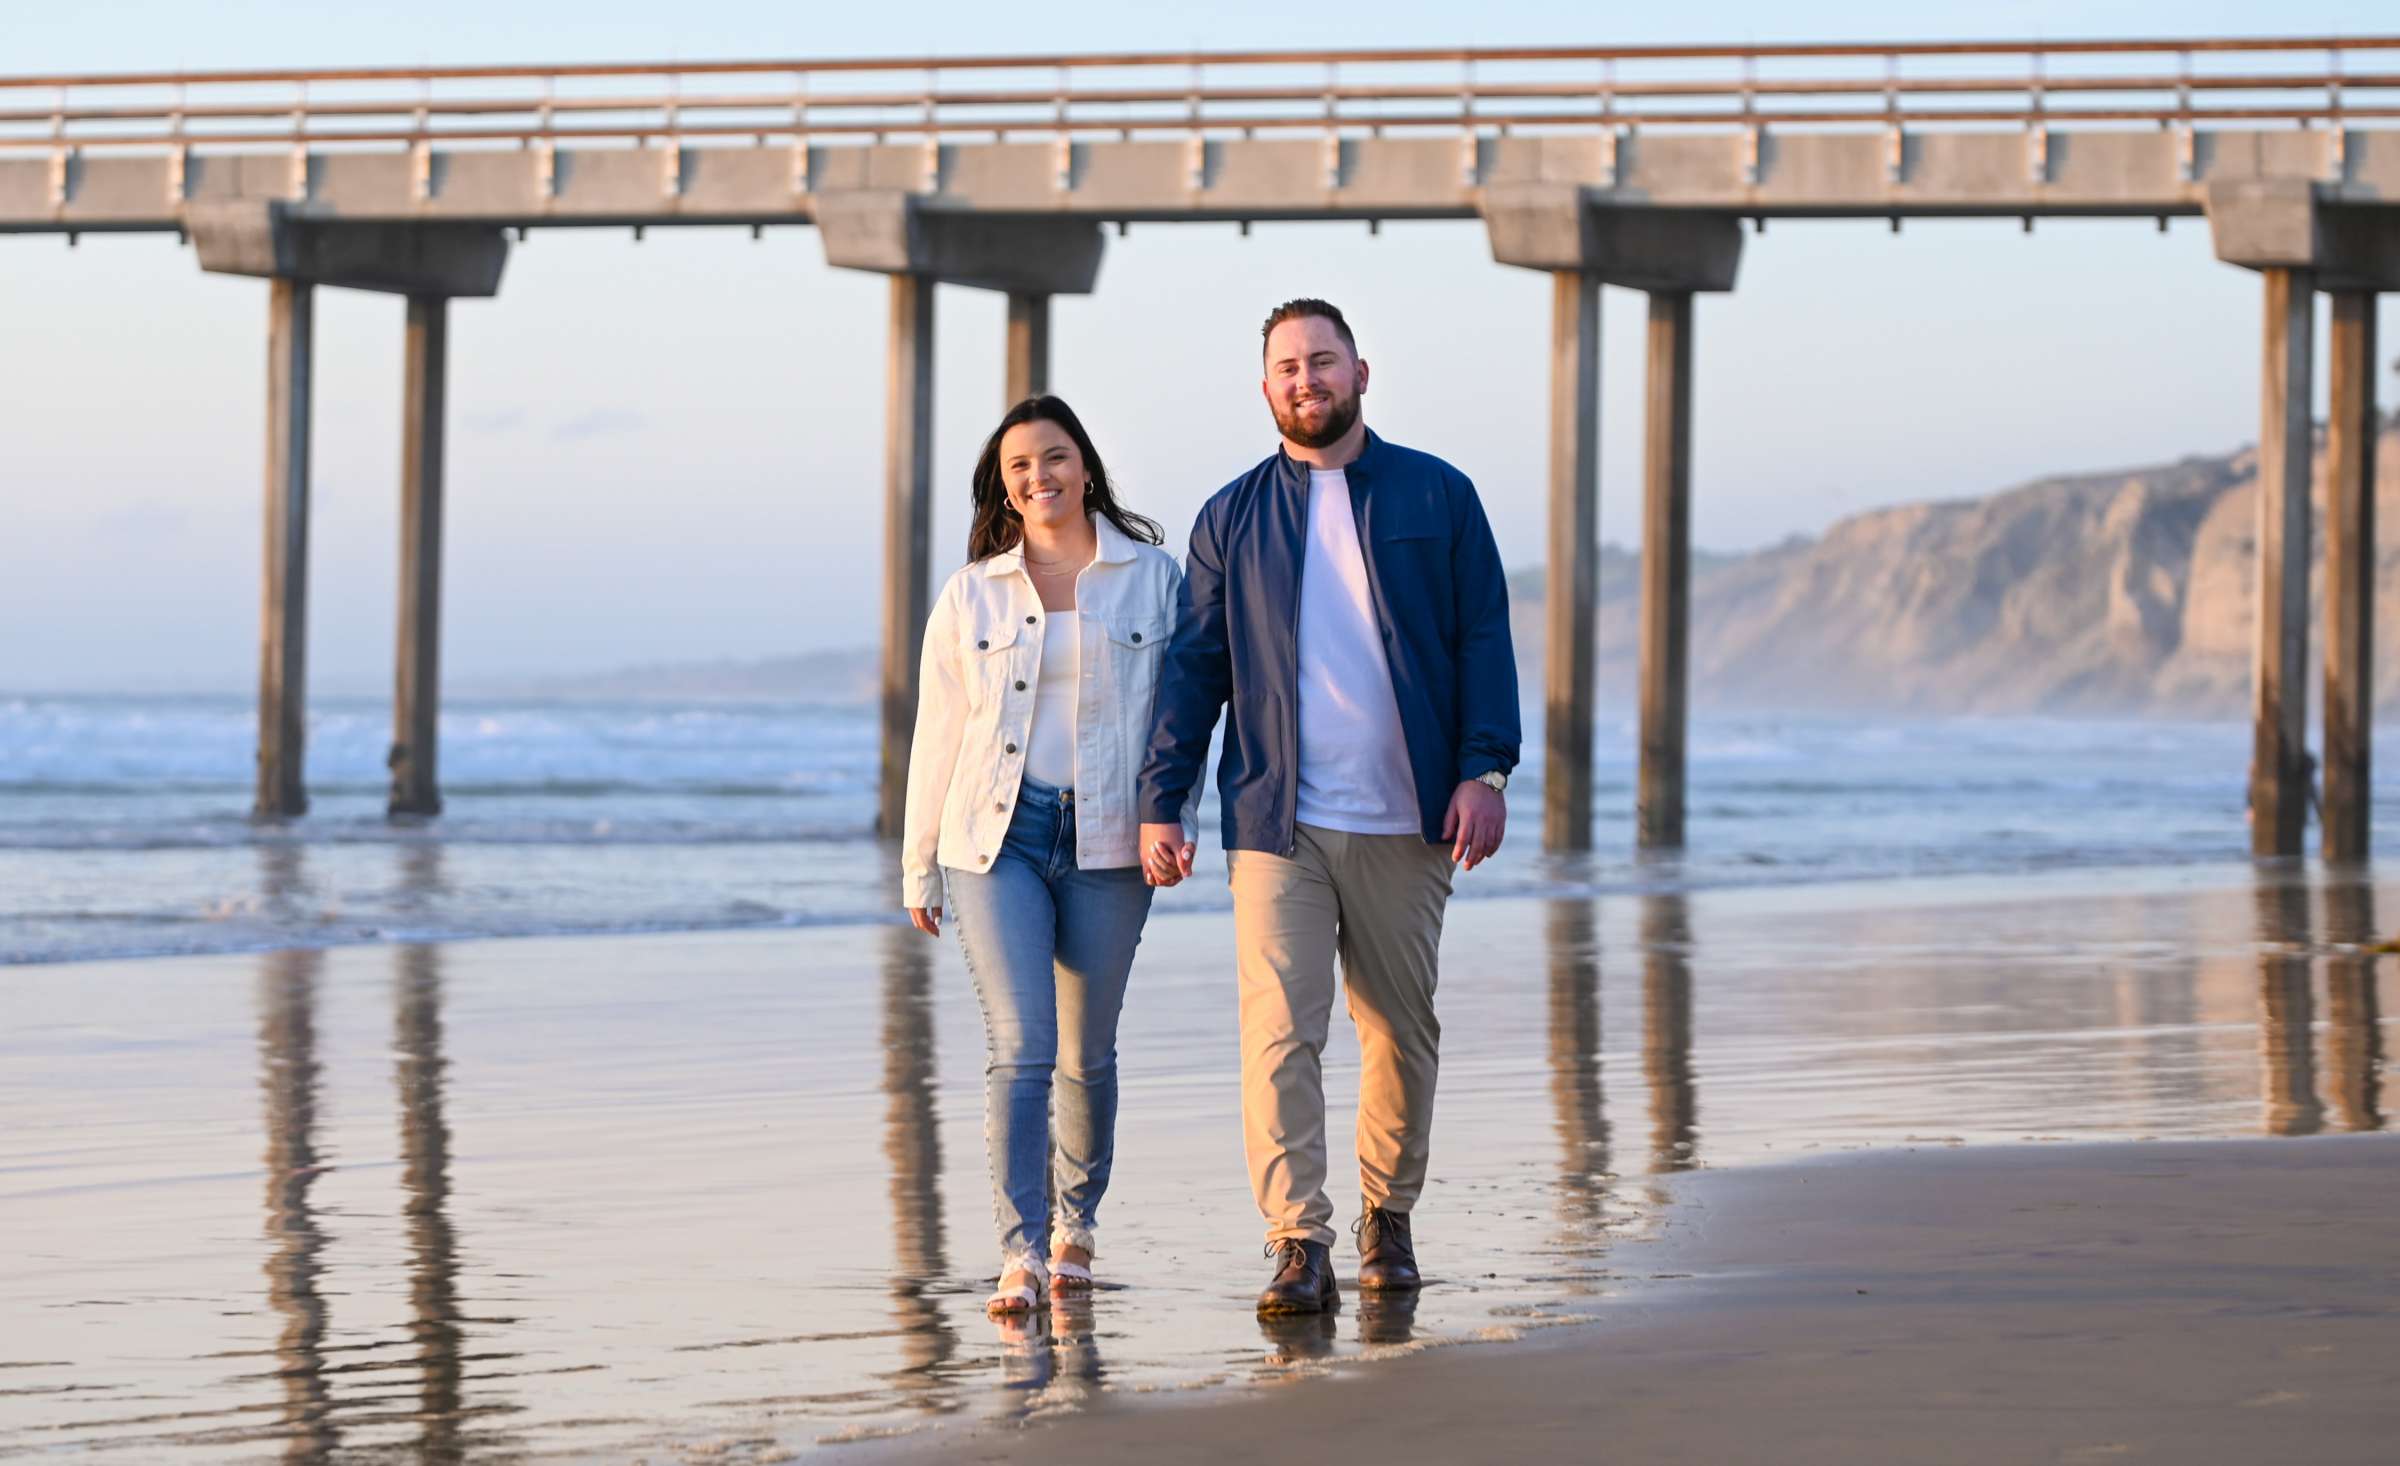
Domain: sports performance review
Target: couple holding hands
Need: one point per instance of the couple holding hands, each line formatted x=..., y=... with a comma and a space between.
x=1343, y=608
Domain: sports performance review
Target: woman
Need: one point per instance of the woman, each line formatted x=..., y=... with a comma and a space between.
x=1040, y=665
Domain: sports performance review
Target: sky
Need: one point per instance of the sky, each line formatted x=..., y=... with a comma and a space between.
x=672, y=449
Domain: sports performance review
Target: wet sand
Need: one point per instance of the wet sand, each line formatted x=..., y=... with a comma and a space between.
x=723, y=1196
x=2223, y=1301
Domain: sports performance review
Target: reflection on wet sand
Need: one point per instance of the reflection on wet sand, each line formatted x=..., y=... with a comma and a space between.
x=2286, y=1022
x=288, y=1075
x=425, y=1180
x=912, y=1143
x=1667, y=1031
x=2354, y=1034
x=1572, y=937
x=422, y=879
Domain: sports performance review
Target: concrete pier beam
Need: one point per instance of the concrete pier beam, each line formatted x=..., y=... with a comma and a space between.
x=1585, y=243
x=2350, y=579
x=1666, y=610
x=1028, y=373
x=1031, y=257
x=283, y=620
x=416, y=687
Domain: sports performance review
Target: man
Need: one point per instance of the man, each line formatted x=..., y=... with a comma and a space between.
x=1344, y=604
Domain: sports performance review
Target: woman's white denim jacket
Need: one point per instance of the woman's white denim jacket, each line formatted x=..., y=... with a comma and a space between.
x=975, y=689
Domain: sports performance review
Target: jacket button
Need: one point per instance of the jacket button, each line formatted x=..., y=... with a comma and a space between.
x=983, y=860
x=1001, y=808
x=983, y=646
x=1020, y=687
x=1030, y=620
x=1137, y=638
x=1012, y=748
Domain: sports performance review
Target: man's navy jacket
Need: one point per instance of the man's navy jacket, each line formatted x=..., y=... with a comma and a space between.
x=1441, y=604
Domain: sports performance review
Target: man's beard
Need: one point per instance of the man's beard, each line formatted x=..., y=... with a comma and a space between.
x=1341, y=415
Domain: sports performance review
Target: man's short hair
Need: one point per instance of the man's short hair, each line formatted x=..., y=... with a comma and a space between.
x=1306, y=305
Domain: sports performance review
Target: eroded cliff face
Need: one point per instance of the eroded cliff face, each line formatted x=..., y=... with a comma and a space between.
x=2121, y=593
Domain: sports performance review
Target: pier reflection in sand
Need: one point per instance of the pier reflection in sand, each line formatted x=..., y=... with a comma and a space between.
x=1667, y=1031
x=912, y=1142
x=2354, y=1030
x=613, y=1195
x=288, y=1072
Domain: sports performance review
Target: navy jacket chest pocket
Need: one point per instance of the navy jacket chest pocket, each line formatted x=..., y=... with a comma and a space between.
x=1415, y=517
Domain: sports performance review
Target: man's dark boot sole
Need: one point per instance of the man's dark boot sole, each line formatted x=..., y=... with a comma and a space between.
x=1389, y=1285
x=1279, y=1307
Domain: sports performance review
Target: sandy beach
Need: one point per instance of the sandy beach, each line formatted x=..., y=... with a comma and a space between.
x=2222, y=1301
x=722, y=1197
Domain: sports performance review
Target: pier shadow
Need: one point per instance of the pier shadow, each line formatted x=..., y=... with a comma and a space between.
x=288, y=1081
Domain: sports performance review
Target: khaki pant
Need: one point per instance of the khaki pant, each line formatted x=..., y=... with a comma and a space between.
x=1376, y=901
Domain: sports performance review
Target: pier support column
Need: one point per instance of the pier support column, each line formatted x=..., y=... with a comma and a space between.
x=283, y=621
x=1671, y=253
x=1572, y=607
x=2350, y=578
x=416, y=688
x=2301, y=242
x=2279, y=665
x=1666, y=571
x=429, y=264
x=907, y=512
x=1028, y=346
x=899, y=234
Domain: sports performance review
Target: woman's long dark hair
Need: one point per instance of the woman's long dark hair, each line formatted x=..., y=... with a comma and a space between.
x=997, y=527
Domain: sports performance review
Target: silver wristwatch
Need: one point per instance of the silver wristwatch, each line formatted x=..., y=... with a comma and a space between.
x=1495, y=779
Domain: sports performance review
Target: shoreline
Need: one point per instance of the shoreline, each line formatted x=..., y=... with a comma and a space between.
x=1972, y=886
x=2127, y=1300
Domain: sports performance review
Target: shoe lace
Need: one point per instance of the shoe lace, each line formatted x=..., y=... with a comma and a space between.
x=1286, y=1251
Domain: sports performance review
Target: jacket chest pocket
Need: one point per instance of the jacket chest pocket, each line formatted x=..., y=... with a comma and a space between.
x=988, y=655
x=1136, y=645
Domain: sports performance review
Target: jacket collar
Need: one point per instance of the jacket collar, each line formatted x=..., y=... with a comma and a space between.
x=1360, y=471
x=1115, y=549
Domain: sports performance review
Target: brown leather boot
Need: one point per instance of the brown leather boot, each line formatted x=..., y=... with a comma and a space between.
x=1387, y=1256
x=1303, y=1281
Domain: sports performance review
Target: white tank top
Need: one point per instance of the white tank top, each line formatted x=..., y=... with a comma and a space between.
x=1050, y=746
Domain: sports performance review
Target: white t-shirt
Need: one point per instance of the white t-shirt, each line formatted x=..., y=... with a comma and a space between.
x=1354, y=770
x=1050, y=743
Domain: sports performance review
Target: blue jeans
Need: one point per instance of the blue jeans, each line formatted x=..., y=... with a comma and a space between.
x=1050, y=947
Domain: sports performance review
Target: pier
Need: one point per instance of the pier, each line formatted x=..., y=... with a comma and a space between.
x=1640, y=168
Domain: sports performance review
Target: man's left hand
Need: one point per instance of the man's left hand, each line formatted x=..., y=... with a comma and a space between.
x=1477, y=820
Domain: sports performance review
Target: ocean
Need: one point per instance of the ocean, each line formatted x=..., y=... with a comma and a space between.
x=125, y=830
